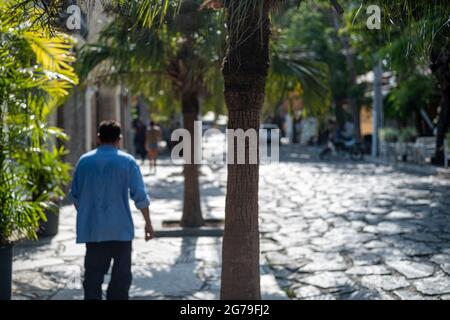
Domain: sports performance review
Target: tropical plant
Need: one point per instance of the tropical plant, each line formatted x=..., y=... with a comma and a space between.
x=36, y=71
x=245, y=70
x=292, y=70
x=424, y=39
x=175, y=61
x=409, y=96
x=179, y=59
x=318, y=40
x=42, y=161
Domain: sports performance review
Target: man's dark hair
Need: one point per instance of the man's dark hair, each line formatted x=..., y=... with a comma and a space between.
x=109, y=131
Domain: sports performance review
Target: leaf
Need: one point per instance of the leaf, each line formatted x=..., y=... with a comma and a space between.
x=53, y=54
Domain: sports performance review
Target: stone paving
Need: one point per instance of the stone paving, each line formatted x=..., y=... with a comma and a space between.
x=163, y=268
x=329, y=230
x=355, y=230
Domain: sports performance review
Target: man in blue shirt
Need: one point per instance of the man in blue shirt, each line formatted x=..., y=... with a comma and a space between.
x=102, y=181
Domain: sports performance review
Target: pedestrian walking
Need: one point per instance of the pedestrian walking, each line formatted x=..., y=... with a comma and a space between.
x=139, y=139
x=103, y=180
x=153, y=137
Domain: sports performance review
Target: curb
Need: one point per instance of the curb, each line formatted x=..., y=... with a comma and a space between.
x=189, y=232
x=411, y=168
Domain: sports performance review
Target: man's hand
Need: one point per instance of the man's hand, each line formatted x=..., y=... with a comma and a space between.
x=149, y=233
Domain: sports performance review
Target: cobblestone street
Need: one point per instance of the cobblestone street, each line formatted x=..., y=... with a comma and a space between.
x=339, y=230
x=355, y=231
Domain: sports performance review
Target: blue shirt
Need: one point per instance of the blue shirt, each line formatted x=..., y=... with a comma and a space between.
x=102, y=180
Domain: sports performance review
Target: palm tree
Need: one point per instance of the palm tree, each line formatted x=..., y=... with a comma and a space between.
x=424, y=37
x=187, y=71
x=245, y=69
x=176, y=59
x=142, y=51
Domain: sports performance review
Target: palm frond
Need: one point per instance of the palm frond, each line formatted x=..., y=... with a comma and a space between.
x=295, y=67
x=90, y=56
x=54, y=71
x=53, y=53
x=423, y=24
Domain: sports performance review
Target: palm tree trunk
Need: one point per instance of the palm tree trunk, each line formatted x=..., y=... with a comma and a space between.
x=350, y=60
x=245, y=70
x=192, y=212
x=441, y=70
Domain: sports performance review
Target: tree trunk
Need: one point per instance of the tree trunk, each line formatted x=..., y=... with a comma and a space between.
x=245, y=70
x=440, y=67
x=339, y=113
x=3, y=152
x=192, y=212
x=443, y=124
x=350, y=60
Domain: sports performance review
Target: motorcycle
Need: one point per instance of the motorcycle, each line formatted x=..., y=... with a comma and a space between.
x=344, y=146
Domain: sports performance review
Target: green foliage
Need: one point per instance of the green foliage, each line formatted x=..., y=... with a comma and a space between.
x=410, y=31
x=417, y=33
x=36, y=74
x=19, y=216
x=410, y=95
x=389, y=134
x=408, y=134
x=291, y=71
x=307, y=32
x=48, y=174
x=423, y=25
x=40, y=158
x=162, y=60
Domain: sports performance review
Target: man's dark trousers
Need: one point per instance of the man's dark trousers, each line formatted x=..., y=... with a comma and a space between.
x=97, y=261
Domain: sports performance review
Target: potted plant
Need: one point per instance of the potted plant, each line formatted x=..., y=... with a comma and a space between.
x=389, y=135
x=406, y=139
x=49, y=174
x=32, y=176
x=408, y=135
x=19, y=218
x=36, y=72
x=6, y=252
